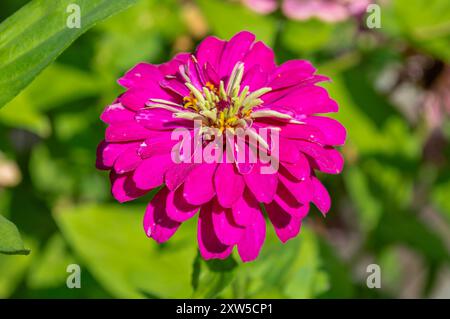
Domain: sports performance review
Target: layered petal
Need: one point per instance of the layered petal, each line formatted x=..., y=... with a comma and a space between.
x=178, y=208
x=227, y=230
x=124, y=189
x=286, y=226
x=157, y=224
x=199, y=185
x=208, y=243
x=253, y=238
x=150, y=173
x=262, y=186
x=228, y=183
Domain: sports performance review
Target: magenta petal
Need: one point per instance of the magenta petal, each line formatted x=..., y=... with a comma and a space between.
x=211, y=74
x=199, y=186
x=159, y=119
x=135, y=98
x=173, y=65
x=150, y=173
x=302, y=190
x=175, y=85
x=124, y=189
x=177, y=174
x=141, y=75
x=263, y=186
x=303, y=131
x=245, y=208
x=160, y=143
x=286, y=226
x=300, y=169
x=157, y=224
x=327, y=160
x=255, y=78
x=334, y=132
x=321, y=197
x=289, y=203
x=210, y=51
x=291, y=73
x=177, y=208
x=260, y=55
x=229, y=184
x=128, y=160
x=116, y=113
x=125, y=132
x=208, y=243
x=304, y=100
x=235, y=51
x=288, y=151
x=107, y=153
x=254, y=235
x=226, y=229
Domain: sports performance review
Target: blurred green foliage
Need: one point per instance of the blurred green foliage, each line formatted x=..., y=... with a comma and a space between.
x=66, y=214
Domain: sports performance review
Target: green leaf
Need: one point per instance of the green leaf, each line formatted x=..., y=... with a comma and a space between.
x=226, y=19
x=110, y=241
x=35, y=35
x=13, y=269
x=211, y=277
x=10, y=241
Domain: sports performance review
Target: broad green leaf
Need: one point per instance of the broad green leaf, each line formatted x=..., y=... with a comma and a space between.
x=36, y=34
x=110, y=241
x=10, y=241
x=227, y=19
x=13, y=269
x=211, y=277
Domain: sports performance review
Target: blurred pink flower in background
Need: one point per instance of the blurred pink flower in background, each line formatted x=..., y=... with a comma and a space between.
x=226, y=85
x=325, y=10
x=10, y=174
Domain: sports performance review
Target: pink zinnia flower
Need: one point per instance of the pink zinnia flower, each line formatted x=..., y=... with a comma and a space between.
x=226, y=85
x=326, y=10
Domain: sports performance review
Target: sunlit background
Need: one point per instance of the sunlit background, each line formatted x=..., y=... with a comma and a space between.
x=391, y=205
